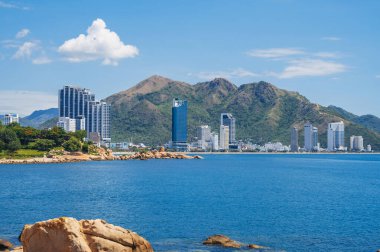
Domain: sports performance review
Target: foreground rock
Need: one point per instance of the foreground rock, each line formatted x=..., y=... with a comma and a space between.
x=5, y=245
x=222, y=240
x=158, y=155
x=69, y=235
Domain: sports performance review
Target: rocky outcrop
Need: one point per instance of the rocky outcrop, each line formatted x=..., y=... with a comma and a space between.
x=64, y=157
x=158, y=155
x=221, y=240
x=255, y=246
x=69, y=235
x=5, y=245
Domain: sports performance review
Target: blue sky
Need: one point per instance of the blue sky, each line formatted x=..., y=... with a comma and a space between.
x=326, y=50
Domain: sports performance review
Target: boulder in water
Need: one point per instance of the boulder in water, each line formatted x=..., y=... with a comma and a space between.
x=69, y=235
x=221, y=240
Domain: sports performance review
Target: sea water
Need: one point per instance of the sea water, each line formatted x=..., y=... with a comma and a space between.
x=285, y=202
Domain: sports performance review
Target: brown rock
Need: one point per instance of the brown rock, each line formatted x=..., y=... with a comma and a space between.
x=255, y=246
x=5, y=245
x=221, y=240
x=69, y=235
x=17, y=249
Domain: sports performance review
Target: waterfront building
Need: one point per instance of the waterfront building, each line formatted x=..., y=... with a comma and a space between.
x=67, y=123
x=73, y=101
x=315, y=139
x=79, y=104
x=308, y=136
x=80, y=123
x=369, y=148
x=215, y=141
x=224, y=137
x=204, y=137
x=227, y=119
x=335, y=136
x=99, y=120
x=294, y=140
x=356, y=143
x=179, y=125
x=11, y=118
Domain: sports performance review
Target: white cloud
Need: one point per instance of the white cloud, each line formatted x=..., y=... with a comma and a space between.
x=41, y=60
x=274, y=52
x=25, y=102
x=12, y=6
x=98, y=43
x=331, y=38
x=311, y=67
x=327, y=55
x=22, y=33
x=26, y=50
x=237, y=73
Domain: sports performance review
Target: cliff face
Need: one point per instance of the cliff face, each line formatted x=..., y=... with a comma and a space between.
x=263, y=112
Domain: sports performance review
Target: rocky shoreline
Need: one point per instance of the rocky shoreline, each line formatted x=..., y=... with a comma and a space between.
x=66, y=234
x=102, y=154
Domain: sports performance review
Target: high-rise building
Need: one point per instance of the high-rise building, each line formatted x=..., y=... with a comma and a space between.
x=308, y=136
x=224, y=137
x=356, y=143
x=315, y=139
x=227, y=119
x=79, y=105
x=294, y=140
x=215, y=141
x=98, y=120
x=67, y=123
x=179, y=125
x=204, y=137
x=335, y=136
x=73, y=101
x=11, y=118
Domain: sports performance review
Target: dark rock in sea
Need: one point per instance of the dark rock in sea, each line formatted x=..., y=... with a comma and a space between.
x=5, y=245
x=255, y=246
x=221, y=240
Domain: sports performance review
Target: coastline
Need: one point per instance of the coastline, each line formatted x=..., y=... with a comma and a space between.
x=104, y=155
x=282, y=153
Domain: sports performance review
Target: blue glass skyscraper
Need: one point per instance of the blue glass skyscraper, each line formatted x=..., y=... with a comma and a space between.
x=179, y=124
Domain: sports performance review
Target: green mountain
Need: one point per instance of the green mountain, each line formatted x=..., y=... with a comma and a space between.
x=369, y=121
x=39, y=117
x=263, y=112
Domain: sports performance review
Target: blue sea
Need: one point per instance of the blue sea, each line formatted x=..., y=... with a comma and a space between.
x=285, y=202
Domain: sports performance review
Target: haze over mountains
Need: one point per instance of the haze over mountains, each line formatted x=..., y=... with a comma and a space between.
x=263, y=112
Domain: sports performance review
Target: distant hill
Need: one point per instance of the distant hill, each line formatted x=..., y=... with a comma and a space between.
x=39, y=117
x=369, y=121
x=263, y=112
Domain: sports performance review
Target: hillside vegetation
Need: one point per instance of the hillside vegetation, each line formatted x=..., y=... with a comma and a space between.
x=263, y=112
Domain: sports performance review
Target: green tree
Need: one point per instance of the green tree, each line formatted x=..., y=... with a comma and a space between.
x=43, y=144
x=73, y=144
x=79, y=134
x=10, y=141
x=26, y=134
x=57, y=134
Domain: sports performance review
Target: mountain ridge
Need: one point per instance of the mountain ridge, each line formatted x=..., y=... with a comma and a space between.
x=263, y=111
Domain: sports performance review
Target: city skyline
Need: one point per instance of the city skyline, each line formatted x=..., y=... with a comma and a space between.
x=321, y=59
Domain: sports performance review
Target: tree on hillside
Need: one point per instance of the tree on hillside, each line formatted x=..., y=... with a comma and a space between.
x=57, y=134
x=9, y=140
x=25, y=134
x=43, y=144
x=79, y=134
x=73, y=144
